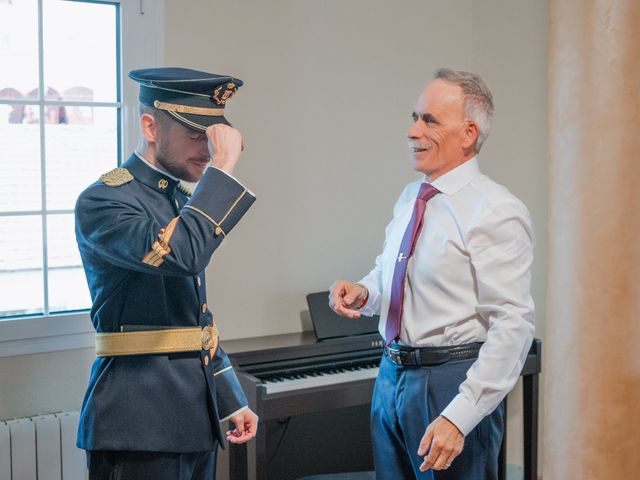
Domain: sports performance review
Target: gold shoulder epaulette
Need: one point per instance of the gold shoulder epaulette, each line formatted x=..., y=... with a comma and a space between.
x=184, y=190
x=116, y=177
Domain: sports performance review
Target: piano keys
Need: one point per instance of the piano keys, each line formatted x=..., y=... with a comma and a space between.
x=305, y=367
x=318, y=377
x=279, y=372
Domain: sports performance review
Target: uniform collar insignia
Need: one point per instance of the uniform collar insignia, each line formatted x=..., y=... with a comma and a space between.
x=150, y=177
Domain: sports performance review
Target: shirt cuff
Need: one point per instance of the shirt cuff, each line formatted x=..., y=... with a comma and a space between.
x=368, y=309
x=231, y=176
x=463, y=414
x=234, y=413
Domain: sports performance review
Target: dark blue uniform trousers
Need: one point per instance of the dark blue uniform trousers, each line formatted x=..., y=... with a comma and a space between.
x=116, y=465
x=405, y=401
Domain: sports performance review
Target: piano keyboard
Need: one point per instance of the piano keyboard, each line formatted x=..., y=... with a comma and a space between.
x=298, y=381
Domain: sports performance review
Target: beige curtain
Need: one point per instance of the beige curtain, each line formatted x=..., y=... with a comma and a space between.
x=592, y=365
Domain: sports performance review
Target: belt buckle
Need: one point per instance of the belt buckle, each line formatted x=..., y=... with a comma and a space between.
x=207, y=337
x=395, y=355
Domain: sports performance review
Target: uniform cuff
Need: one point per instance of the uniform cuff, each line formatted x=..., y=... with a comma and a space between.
x=234, y=178
x=463, y=414
x=221, y=200
x=234, y=413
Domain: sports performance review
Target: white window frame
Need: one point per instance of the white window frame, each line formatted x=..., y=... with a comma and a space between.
x=141, y=45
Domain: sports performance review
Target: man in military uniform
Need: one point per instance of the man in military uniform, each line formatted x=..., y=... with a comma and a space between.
x=160, y=386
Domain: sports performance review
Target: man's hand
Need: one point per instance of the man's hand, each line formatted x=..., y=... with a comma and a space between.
x=345, y=297
x=246, y=423
x=443, y=441
x=225, y=145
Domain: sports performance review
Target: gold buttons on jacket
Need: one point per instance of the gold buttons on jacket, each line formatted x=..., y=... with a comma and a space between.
x=204, y=308
x=206, y=360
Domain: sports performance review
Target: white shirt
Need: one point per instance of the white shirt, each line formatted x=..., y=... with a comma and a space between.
x=467, y=281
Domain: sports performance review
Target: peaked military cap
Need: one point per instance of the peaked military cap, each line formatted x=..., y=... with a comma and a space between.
x=195, y=99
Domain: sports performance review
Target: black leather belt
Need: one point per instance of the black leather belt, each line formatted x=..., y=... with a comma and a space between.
x=429, y=356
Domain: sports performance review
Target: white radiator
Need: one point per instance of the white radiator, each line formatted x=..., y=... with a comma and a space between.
x=41, y=448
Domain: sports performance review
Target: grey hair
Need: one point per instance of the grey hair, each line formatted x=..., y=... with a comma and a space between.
x=478, y=101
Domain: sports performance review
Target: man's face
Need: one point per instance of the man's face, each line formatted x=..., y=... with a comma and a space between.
x=181, y=151
x=437, y=135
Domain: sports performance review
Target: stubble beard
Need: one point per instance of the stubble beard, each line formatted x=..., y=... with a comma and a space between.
x=173, y=167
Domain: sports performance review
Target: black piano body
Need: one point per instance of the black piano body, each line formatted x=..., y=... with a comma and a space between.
x=327, y=385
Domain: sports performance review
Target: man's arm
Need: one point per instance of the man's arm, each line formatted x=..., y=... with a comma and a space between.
x=501, y=251
x=114, y=224
x=231, y=400
x=230, y=397
x=372, y=282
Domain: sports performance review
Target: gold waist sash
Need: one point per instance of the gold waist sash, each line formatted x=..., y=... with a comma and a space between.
x=156, y=341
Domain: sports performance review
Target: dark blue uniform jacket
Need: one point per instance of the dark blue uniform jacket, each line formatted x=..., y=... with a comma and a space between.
x=144, y=245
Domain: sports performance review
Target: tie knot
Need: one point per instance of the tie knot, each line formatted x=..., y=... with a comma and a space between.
x=427, y=191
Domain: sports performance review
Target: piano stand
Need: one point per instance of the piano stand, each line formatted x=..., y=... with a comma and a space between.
x=353, y=394
x=530, y=414
x=238, y=457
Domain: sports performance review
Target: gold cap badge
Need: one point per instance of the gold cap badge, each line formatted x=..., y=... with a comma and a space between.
x=220, y=96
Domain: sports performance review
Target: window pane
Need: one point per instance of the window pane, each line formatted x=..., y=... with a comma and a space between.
x=67, y=284
x=80, y=50
x=19, y=162
x=18, y=48
x=78, y=153
x=21, y=265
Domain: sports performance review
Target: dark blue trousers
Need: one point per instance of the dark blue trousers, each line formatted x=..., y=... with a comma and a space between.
x=405, y=401
x=115, y=465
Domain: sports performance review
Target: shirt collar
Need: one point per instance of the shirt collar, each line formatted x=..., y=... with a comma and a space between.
x=455, y=179
x=151, y=176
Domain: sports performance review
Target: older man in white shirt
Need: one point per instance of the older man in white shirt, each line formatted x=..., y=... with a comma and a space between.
x=452, y=287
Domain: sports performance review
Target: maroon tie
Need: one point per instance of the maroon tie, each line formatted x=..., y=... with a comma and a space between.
x=411, y=234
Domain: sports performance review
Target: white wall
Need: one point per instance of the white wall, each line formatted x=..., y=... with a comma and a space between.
x=324, y=111
x=329, y=87
x=329, y=90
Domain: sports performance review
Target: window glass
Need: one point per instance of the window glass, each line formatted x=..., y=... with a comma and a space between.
x=80, y=51
x=19, y=162
x=18, y=48
x=78, y=152
x=67, y=284
x=21, y=281
x=59, y=131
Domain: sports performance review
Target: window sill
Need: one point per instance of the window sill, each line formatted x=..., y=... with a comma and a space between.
x=27, y=335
